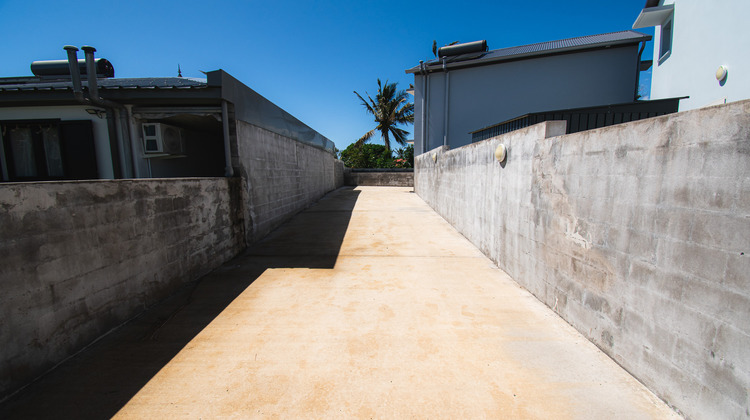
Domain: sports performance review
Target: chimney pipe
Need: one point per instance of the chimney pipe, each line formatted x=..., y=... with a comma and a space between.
x=75, y=73
x=91, y=72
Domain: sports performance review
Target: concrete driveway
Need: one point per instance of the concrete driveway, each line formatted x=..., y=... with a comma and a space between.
x=366, y=305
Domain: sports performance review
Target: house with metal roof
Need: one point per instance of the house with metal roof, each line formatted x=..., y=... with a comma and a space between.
x=467, y=87
x=700, y=50
x=74, y=120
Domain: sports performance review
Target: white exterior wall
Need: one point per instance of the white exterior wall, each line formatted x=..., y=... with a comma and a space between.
x=705, y=35
x=486, y=95
x=71, y=113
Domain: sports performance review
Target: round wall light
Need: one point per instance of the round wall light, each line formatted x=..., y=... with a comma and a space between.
x=721, y=73
x=501, y=152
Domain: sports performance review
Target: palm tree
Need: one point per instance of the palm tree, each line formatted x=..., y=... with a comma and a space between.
x=390, y=108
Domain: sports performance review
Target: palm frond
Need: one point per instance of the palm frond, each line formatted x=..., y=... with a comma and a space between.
x=362, y=140
x=390, y=107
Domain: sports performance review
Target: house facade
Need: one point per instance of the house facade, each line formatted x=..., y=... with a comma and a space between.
x=53, y=127
x=700, y=50
x=457, y=94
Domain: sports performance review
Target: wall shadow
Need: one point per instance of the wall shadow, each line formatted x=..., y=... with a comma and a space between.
x=99, y=381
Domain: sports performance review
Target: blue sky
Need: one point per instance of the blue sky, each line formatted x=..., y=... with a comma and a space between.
x=306, y=56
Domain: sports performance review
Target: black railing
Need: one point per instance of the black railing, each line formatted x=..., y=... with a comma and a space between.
x=581, y=119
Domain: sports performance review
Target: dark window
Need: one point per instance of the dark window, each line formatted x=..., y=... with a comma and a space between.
x=47, y=150
x=666, y=41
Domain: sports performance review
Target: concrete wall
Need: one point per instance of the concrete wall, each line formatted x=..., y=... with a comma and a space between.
x=705, y=35
x=379, y=178
x=80, y=258
x=486, y=95
x=637, y=234
x=282, y=176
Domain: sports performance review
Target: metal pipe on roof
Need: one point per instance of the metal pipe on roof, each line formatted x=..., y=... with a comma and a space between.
x=117, y=119
x=75, y=71
x=91, y=71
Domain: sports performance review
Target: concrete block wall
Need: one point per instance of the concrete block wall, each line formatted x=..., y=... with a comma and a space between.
x=80, y=258
x=282, y=176
x=637, y=234
x=379, y=178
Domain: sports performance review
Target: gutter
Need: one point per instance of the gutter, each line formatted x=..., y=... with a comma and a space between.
x=446, y=103
x=436, y=66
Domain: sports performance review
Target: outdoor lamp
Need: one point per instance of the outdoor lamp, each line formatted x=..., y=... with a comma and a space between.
x=500, y=152
x=721, y=73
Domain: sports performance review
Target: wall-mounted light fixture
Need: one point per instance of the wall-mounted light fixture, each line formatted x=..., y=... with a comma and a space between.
x=434, y=157
x=501, y=152
x=721, y=73
x=98, y=112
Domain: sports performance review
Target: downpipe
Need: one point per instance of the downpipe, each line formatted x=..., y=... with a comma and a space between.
x=446, y=103
x=120, y=112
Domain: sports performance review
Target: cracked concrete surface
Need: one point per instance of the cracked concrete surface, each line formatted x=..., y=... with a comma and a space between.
x=366, y=305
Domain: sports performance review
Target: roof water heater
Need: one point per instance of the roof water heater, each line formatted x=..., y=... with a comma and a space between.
x=60, y=68
x=465, y=48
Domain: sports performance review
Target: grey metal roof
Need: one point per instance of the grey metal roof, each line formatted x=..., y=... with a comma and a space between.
x=42, y=84
x=539, y=49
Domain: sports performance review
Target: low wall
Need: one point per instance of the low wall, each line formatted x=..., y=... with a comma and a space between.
x=80, y=258
x=637, y=234
x=282, y=177
x=379, y=177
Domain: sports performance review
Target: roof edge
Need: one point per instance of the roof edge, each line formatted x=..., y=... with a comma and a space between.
x=433, y=66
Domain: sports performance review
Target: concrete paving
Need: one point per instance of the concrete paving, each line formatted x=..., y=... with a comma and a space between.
x=366, y=305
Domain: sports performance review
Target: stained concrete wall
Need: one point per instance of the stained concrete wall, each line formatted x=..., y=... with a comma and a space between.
x=379, y=178
x=637, y=234
x=282, y=176
x=80, y=258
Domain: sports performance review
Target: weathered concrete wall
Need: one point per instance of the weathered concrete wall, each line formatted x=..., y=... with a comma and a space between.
x=636, y=234
x=80, y=258
x=381, y=178
x=282, y=175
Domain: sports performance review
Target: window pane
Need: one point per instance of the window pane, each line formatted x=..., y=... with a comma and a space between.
x=51, y=140
x=666, y=39
x=23, y=151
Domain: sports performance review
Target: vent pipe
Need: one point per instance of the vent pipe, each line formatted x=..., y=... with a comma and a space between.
x=91, y=71
x=118, y=111
x=75, y=73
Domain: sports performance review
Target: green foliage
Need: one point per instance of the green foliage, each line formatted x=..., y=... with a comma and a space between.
x=390, y=109
x=367, y=156
x=405, y=157
x=377, y=156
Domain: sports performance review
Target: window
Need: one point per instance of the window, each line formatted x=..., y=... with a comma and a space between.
x=47, y=150
x=666, y=41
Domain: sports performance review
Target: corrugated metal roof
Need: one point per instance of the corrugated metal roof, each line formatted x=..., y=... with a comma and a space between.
x=542, y=48
x=37, y=84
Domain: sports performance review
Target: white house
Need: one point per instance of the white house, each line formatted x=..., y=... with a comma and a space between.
x=701, y=50
x=468, y=87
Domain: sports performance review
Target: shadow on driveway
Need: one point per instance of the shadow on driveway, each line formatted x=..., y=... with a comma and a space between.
x=100, y=380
